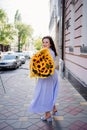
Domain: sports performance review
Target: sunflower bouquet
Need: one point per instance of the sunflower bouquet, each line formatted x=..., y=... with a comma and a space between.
x=42, y=64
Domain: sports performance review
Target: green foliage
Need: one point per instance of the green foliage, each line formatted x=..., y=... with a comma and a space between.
x=24, y=31
x=7, y=34
x=19, y=29
x=38, y=43
x=7, y=31
x=3, y=16
x=17, y=16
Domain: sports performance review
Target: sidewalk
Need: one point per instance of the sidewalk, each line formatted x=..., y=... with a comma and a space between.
x=72, y=109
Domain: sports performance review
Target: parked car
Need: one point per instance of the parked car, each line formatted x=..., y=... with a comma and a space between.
x=21, y=56
x=10, y=61
x=29, y=54
x=1, y=54
x=26, y=54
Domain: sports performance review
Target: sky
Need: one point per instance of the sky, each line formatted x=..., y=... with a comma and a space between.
x=33, y=12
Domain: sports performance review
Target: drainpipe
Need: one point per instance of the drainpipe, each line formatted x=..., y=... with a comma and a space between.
x=62, y=60
x=63, y=14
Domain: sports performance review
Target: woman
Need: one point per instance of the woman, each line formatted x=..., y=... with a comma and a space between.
x=46, y=88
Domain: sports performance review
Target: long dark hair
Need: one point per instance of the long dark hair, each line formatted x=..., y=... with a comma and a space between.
x=51, y=43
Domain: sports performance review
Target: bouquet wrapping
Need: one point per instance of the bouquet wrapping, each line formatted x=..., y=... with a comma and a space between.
x=42, y=64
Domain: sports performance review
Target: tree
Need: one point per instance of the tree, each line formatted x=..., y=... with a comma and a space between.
x=7, y=34
x=17, y=17
x=24, y=31
x=38, y=43
x=7, y=31
x=3, y=16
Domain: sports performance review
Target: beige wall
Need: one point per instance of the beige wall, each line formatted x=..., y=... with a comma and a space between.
x=75, y=61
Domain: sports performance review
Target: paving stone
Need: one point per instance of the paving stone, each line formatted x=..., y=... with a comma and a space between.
x=15, y=117
x=62, y=123
x=34, y=120
x=3, y=125
x=80, y=123
x=26, y=105
x=23, y=119
x=1, y=121
x=9, y=122
x=73, y=127
x=85, y=127
x=83, y=103
x=40, y=124
x=25, y=124
x=33, y=127
x=76, y=111
x=48, y=127
x=6, y=96
x=17, y=124
x=58, y=118
x=36, y=116
x=20, y=113
x=19, y=129
x=8, y=114
x=2, y=117
x=8, y=128
x=1, y=106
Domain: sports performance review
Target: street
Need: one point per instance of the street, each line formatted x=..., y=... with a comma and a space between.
x=15, y=80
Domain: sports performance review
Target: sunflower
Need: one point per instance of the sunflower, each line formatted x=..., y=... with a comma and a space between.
x=42, y=64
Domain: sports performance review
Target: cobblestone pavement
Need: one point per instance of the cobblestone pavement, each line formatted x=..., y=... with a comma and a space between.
x=14, y=114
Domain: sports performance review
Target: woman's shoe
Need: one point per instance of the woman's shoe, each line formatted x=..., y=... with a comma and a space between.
x=43, y=118
x=55, y=113
x=46, y=119
x=49, y=119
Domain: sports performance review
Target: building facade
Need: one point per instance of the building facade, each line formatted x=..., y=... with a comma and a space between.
x=71, y=37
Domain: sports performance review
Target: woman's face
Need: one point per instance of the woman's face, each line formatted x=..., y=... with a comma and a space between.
x=46, y=43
